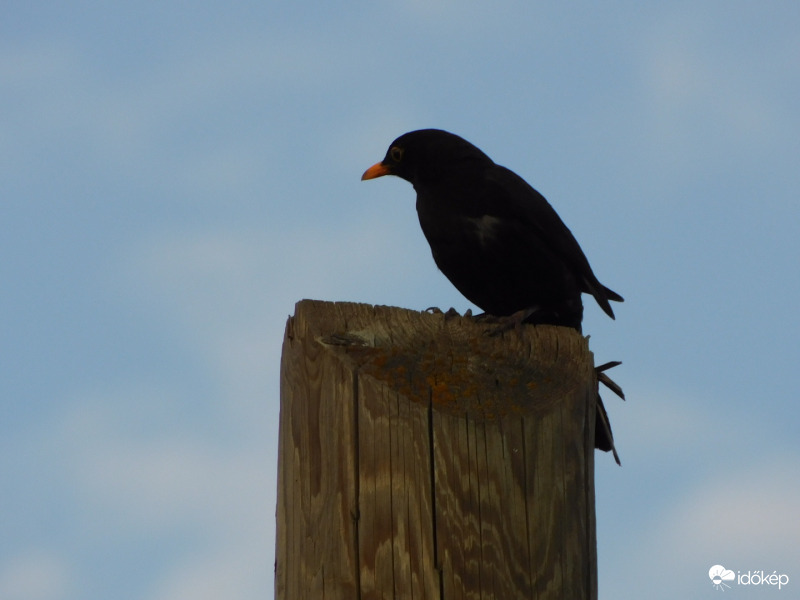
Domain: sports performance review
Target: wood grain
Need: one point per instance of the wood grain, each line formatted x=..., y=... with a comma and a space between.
x=421, y=458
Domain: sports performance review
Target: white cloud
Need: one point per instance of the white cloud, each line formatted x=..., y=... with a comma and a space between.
x=225, y=284
x=34, y=575
x=745, y=510
x=741, y=516
x=138, y=478
x=702, y=92
x=232, y=572
x=656, y=421
x=151, y=121
x=166, y=481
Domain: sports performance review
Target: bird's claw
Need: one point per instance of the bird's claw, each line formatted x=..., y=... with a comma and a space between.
x=606, y=380
x=451, y=312
x=601, y=411
x=514, y=321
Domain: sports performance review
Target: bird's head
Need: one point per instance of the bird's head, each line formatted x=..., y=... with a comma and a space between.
x=426, y=156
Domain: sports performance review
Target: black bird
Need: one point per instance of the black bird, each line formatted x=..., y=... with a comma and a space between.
x=495, y=237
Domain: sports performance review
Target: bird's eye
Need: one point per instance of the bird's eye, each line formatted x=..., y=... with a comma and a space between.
x=396, y=153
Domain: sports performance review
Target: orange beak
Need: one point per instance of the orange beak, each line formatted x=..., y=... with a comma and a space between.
x=376, y=170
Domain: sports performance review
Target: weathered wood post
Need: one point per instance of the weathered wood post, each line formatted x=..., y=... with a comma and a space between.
x=421, y=458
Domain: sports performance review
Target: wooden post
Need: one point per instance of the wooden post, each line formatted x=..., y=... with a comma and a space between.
x=420, y=458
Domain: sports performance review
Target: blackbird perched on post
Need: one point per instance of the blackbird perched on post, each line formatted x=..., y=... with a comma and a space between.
x=496, y=238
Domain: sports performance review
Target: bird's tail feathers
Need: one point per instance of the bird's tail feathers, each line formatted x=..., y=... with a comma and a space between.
x=612, y=295
x=602, y=294
x=604, y=439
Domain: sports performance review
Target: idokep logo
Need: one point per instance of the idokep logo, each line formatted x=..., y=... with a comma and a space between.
x=719, y=576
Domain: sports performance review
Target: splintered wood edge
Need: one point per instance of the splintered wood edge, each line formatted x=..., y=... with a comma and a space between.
x=451, y=361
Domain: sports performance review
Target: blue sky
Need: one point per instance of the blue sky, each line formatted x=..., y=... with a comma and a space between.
x=175, y=177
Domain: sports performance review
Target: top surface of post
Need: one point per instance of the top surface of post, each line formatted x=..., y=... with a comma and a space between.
x=451, y=361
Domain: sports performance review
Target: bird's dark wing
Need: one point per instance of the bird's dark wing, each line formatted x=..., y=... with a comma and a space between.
x=509, y=197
